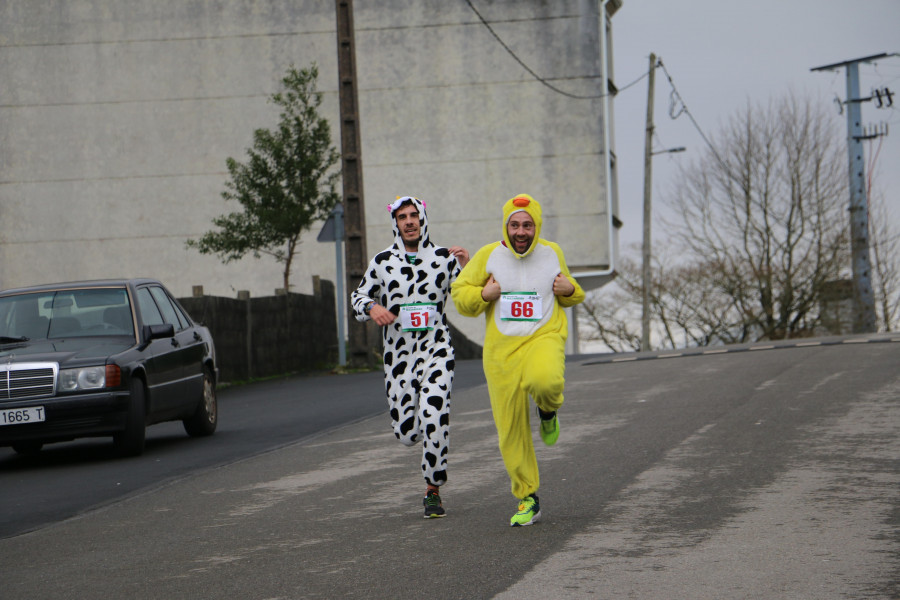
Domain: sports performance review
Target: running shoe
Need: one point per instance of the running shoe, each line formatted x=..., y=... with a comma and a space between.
x=433, y=508
x=549, y=429
x=529, y=512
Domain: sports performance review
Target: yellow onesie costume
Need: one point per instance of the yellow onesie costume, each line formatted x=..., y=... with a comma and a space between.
x=524, y=345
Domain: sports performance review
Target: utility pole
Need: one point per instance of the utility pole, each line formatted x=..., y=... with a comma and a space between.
x=352, y=175
x=648, y=177
x=648, y=187
x=863, y=298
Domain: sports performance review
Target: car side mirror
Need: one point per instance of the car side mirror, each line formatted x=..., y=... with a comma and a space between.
x=156, y=332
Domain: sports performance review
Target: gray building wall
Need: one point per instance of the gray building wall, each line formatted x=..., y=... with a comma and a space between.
x=116, y=117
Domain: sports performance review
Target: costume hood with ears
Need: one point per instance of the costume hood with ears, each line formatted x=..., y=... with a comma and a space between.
x=423, y=223
x=522, y=203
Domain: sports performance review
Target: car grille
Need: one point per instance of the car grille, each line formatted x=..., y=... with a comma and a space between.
x=27, y=380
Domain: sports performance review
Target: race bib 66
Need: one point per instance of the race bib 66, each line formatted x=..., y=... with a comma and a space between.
x=521, y=306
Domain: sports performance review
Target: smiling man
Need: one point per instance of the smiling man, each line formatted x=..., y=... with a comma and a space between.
x=523, y=284
x=405, y=290
x=520, y=231
x=410, y=226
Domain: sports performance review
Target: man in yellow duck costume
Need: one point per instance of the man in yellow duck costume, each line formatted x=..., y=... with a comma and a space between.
x=522, y=284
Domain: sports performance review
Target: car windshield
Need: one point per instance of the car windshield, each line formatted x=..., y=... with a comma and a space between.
x=65, y=313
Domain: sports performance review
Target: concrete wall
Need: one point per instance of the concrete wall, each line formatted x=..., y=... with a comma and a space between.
x=116, y=117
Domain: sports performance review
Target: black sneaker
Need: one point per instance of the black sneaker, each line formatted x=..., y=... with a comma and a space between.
x=433, y=508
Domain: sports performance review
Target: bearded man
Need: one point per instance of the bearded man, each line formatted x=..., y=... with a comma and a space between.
x=522, y=284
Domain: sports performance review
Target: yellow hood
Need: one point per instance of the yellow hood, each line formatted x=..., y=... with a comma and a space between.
x=522, y=202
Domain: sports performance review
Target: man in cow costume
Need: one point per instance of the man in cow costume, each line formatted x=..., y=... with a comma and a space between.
x=404, y=291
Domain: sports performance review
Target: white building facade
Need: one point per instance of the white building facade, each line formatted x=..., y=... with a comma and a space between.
x=117, y=116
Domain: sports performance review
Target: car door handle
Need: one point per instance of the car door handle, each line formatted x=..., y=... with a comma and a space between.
x=198, y=337
x=175, y=342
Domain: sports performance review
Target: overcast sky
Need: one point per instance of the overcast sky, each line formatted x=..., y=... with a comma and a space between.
x=722, y=53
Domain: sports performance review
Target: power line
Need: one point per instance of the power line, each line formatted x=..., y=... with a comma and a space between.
x=635, y=82
x=538, y=77
x=682, y=106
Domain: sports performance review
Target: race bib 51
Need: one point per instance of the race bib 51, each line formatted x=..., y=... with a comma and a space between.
x=418, y=317
x=521, y=306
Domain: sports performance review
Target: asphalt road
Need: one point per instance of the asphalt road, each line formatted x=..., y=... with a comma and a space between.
x=767, y=473
x=67, y=479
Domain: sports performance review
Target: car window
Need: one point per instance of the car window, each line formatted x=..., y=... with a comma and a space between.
x=66, y=313
x=165, y=305
x=25, y=315
x=149, y=311
x=185, y=321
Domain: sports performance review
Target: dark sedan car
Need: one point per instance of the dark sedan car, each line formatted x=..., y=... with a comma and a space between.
x=101, y=358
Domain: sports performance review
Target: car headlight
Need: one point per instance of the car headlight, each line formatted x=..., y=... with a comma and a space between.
x=85, y=378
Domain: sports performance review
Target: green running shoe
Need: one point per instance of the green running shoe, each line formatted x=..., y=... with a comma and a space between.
x=529, y=512
x=433, y=508
x=549, y=429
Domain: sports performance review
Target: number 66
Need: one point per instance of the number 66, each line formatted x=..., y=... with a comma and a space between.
x=522, y=309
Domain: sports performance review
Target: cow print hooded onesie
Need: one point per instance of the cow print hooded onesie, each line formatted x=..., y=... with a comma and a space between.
x=418, y=363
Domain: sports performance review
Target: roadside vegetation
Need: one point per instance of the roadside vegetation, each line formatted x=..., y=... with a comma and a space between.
x=758, y=246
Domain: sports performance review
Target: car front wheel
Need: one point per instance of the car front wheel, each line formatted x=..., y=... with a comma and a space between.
x=203, y=422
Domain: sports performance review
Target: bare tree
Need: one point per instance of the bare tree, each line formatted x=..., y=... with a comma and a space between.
x=885, y=245
x=687, y=308
x=765, y=214
x=760, y=230
x=610, y=315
